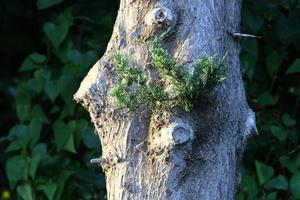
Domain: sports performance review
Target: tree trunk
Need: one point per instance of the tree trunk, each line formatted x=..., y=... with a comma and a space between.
x=192, y=155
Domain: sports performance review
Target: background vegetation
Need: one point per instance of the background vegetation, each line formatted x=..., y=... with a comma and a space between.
x=46, y=142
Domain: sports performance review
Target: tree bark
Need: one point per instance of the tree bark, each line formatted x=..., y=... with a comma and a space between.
x=192, y=155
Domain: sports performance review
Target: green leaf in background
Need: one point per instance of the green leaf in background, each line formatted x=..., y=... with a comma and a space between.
x=288, y=121
x=271, y=196
x=279, y=133
x=91, y=140
x=23, y=111
x=82, y=127
x=56, y=33
x=263, y=171
x=34, y=130
x=17, y=131
x=61, y=133
x=63, y=177
x=16, y=145
x=70, y=145
x=74, y=56
x=39, y=149
x=43, y=4
x=248, y=62
x=33, y=165
x=38, y=113
x=52, y=89
x=294, y=68
x=15, y=169
x=295, y=185
x=280, y=183
x=254, y=23
x=64, y=135
x=266, y=99
x=291, y=162
x=273, y=61
x=20, y=131
x=249, y=185
x=49, y=190
x=25, y=192
x=33, y=61
x=240, y=196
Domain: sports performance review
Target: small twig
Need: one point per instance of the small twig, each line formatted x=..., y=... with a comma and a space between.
x=244, y=36
x=99, y=161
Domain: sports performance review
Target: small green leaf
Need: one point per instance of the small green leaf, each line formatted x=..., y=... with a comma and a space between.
x=279, y=133
x=34, y=130
x=266, y=99
x=61, y=133
x=38, y=113
x=25, y=192
x=288, y=120
x=63, y=177
x=295, y=185
x=49, y=190
x=38, y=58
x=14, y=168
x=70, y=145
x=264, y=172
x=15, y=145
x=291, y=162
x=91, y=140
x=240, y=196
x=20, y=131
x=74, y=56
x=294, y=68
x=280, y=183
x=64, y=135
x=23, y=112
x=56, y=33
x=39, y=149
x=33, y=165
x=249, y=184
x=248, y=61
x=273, y=61
x=52, y=89
x=271, y=196
x=33, y=61
x=254, y=22
x=89, y=58
x=43, y=4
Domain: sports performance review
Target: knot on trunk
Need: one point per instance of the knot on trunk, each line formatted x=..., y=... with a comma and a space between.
x=159, y=19
x=177, y=133
x=181, y=133
x=250, y=124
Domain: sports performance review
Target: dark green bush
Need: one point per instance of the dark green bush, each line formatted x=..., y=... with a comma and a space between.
x=48, y=148
x=270, y=168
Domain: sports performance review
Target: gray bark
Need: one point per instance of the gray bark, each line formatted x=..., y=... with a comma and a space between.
x=192, y=155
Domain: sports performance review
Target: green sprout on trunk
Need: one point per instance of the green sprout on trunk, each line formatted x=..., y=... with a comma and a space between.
x=176, y=88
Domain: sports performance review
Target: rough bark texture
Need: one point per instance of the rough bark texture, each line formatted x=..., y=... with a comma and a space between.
x=192, y=155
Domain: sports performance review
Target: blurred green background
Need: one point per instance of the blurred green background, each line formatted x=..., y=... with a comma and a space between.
x=46, y=141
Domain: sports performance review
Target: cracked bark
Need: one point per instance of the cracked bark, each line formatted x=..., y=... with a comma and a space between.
x=193, y=155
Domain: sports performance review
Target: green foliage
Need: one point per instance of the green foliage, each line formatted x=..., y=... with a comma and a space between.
x=272, y=160
x=45, y=154
x=177, y=87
